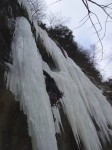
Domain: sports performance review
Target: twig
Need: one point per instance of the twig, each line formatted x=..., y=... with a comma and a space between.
x=55, y=2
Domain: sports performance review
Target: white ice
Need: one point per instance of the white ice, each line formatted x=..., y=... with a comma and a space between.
x=26, y=81
x=82, y=101
x=57, y=119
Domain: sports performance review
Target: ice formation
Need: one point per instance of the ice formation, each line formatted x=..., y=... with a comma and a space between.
x=26, y=81
x=57, y=119
x=82, y=102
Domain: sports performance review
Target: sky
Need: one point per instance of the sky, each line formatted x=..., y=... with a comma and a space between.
x=85, y=35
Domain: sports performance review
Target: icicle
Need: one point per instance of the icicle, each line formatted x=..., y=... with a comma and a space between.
x=26, y=81
x=57, y=119
x=82, y=100
x=78, y=117
x=51, y=48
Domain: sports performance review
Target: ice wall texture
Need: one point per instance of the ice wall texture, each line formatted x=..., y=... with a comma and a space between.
x=26, y=81
x=83, y=103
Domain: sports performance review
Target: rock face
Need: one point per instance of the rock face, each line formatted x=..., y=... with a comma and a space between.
x=13, y=123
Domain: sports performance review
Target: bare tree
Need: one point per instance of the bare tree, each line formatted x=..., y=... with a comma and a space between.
x=106, y=8
x=56, y=20
x=92, y=54
x=37, y=9
x=96, y=23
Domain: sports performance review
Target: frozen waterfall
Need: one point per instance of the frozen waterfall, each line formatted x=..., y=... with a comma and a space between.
x=26, y=81
x=82, y=101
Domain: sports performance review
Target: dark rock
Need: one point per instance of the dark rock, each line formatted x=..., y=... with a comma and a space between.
x=13, y=124
x=52, y=89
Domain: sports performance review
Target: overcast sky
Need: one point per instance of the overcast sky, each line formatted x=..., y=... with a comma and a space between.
x=75, y=10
